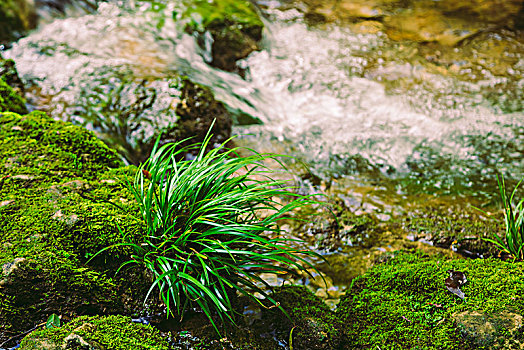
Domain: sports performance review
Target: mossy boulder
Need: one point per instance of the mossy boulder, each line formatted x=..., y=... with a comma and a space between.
x=62, y=199
x=403, y=303
x=234, y=25
x=97, y=333
x=16, y=16
x=310, y=324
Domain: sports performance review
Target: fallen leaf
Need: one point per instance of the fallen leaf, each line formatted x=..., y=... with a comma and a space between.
x=455, y=280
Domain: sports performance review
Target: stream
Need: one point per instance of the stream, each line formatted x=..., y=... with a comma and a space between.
x=380, y=124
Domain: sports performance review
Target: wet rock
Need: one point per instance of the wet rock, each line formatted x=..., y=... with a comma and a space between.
x=425, y=25
x=10, y=268
x=9, y=74
x=345, y=9
x=483, y=330
x=368, y=27
x=10, y=100
x=314, y=324
x=17, y=17
x=360, y=9
x=490, y=11
x=130, y=114
x=447, y=22
x=234, y=26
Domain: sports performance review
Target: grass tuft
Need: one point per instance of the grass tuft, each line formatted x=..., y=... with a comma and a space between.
x=212, y=227
x=512, y=241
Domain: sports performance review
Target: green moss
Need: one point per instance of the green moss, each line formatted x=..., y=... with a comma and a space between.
x=10, y=100
x=9, y=74
x=234, y=24
x=313, y=324
x=404, y=304
x=62, y=199
x=459, y=228
x=204, y=12
x=109, y=332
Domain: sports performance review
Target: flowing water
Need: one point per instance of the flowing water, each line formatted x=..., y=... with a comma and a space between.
x=374, y=120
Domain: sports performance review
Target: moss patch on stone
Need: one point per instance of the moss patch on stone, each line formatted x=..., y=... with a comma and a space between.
x=10, y=100
x=9, y=74
x=462, y=229
x=403, y=303
x=97, y=332
x=234, y=24
x=62, y=199
x=311, y=324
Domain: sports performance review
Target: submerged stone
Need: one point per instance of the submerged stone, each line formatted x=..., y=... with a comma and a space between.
x=426, y=25
x=447, y=22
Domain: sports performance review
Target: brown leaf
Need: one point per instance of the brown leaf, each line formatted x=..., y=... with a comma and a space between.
x=147, y=174
x=455, y=280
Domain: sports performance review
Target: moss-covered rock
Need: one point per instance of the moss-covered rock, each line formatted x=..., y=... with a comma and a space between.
x=198, y=334
x=16, y=16
x=97, y=333
x=464, y=230
x=235, y=26
x=9, y=74
x=62, y=195
x=11, y=88
x=403, y=303
x=10, y=100
x=311, y=324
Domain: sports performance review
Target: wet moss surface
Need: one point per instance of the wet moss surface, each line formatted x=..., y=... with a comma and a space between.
x=309, y=323
x=462, y=229
x=97, y=332
x=234, y=25
x=403, y=303
x=10, y=100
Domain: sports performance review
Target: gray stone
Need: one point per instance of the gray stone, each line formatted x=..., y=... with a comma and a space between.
x=495, y=330
x=9, y=268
